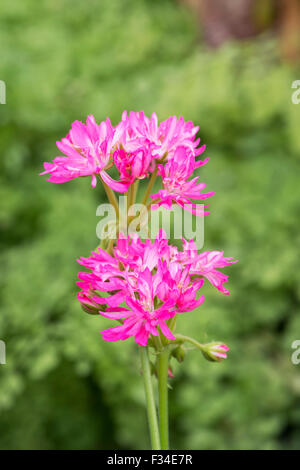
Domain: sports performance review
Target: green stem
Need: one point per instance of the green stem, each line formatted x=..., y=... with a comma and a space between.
x=132, y=193
x=110, y=246
x=130, y=197
x=111, y=197
x=148, y=207
x=163, y=368
x=135, y=190
x=182, y=339
x=150, y=401
x=172, y=323
x=150, y=185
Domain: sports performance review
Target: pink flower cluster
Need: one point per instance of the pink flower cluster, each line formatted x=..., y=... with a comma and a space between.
x=136, y=147
x=143, y=285
x=154, y=279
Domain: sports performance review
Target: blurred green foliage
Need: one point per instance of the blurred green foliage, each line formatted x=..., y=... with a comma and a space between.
x=62, y=386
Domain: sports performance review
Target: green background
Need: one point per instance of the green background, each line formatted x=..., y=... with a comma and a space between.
x=62, y=386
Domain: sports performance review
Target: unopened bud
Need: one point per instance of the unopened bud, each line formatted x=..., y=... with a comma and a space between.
x=179, y=353
x=88, y=305
x=215, y=351
x=153, y=368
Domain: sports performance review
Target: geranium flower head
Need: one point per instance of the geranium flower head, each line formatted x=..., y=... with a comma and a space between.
x=163, y=139
x=87, y=149
x=176, y=185
x=154, y=280
x=133, y=146
x=132, y=165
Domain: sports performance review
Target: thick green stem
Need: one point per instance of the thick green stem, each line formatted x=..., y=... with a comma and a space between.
x=163, y=369
x=150, y=401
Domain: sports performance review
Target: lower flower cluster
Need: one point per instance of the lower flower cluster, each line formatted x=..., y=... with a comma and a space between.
x=144, y=285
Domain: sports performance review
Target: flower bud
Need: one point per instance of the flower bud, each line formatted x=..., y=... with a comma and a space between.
x=88, y=305
x=179, y=353
x=153, y=368
x=215, y=351
x=170, y=373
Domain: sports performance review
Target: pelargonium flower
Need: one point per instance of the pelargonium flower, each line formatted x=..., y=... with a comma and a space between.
x=133, y=165
x=138, y=131
x=173, y=144
x=177, y=187
x=133, y=146
x=206, y=263
x=155, y=280
x=142, y=318
x=88, y=149
x=177, y=277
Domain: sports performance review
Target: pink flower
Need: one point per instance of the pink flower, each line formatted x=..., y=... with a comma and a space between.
x=206, y=263
x=143, y=285
x=133, y=146
x=177, y=278
x=162, y=139
x=88, y=149
x=143, y=318
x=86, y=302
x=134, y=165
x=155, y=280
x=177, y=187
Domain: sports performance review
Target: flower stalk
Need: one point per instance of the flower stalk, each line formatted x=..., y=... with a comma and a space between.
x=111, y=197
x=150, y=185
x=150, y=400
x=163, y=368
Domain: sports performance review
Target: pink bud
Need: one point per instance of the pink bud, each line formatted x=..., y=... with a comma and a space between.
x=215, y=351
x=219, y=350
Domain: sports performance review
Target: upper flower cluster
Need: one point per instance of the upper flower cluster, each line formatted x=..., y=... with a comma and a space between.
x=137, y=147
x=154, y=279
